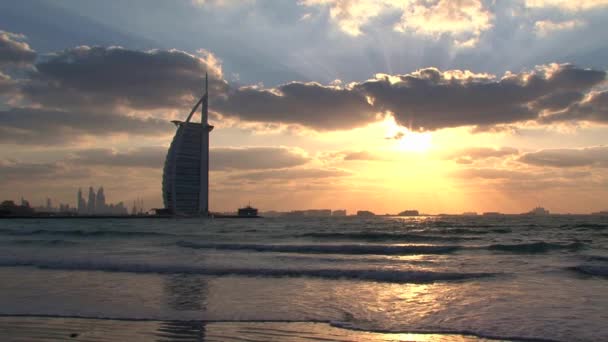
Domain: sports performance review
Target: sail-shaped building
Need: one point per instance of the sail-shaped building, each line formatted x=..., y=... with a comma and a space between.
x=186, y=171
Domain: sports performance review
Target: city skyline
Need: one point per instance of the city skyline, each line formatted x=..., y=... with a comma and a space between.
x=358, y=105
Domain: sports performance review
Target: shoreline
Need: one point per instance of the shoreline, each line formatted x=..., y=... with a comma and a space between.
x=41, y=327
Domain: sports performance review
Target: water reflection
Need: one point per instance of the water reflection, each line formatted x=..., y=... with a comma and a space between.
x=181, y=331
x=186, y=292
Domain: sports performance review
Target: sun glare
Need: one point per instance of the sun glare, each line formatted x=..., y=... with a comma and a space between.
x=406, y=140
x=415, y=142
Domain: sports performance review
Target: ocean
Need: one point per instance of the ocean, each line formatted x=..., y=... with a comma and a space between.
x=514, y=278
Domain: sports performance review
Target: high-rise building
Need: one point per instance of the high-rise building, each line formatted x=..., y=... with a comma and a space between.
x=82, y=204
x=186, y=171
x=100, y=202
x=91, y=203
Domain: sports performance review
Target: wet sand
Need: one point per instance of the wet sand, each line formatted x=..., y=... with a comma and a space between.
x=34, y=329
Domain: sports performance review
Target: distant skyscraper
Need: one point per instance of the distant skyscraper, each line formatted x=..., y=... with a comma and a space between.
x=91, y=203
x=100, y=202
x=82, y=204
x=186, y=171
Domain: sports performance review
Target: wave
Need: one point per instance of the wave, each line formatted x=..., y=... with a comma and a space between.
x=356, y=327
x=327, y=249
x=592, y=270
x=82, y=233
x=475, y=231
x=584, y=226
x=387, y=276
x=362, y=249
x=536, y=247
x=596, y=258
x=42, y=242
x=380, y=236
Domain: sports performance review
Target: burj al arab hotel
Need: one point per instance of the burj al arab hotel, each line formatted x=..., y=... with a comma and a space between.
x=186, y=171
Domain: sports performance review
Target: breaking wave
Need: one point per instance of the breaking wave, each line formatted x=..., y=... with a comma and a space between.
x=363, y=249
x=380, y=236
x=592, y=270
x=388, y=276
x=327, y=249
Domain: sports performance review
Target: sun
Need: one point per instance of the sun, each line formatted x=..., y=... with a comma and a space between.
x=406, y=140
x=415, y=142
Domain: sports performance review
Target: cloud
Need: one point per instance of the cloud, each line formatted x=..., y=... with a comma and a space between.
x=102, y=77
x=464, y=20
x=32, y=126
x=469, y=155
x=144, y=157
x=127, y=85
x=11, y=170
x=13, y=51
x=291, y=174
x=545, y=27
x=430, y=99
x=569, y=5
x=593, y=108
x=467, y=99
x=360, y=155
x=533, y=181
x=351, y=15
x=7, y=85
x=590, y=156
x=309, y=104
x=251, y=158
x=221, y=158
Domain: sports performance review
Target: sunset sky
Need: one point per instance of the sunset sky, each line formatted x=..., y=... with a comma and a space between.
x=385, y=105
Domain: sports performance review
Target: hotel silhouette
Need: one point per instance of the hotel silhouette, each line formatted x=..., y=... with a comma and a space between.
x=186, y=170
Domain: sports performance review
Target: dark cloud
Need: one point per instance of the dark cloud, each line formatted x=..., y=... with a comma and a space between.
x=13, y=51
x=31, y=126
x=591, y=156
x=291, y=174
x=430, y=99
x=558, y=100
x=101, y=77
x=34, y=172
x=427, y=99
x=309, y=104
x=594, y=108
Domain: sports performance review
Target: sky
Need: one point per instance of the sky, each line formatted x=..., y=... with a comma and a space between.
x=444, y=106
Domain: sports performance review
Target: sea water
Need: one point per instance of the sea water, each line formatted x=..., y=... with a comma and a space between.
x=287, y=279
